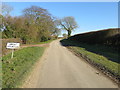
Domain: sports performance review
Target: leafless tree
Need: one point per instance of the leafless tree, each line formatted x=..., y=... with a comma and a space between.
x=6, y=9
x=68, y=24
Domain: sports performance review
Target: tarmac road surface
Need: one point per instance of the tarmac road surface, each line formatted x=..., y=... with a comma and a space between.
x=59, y=68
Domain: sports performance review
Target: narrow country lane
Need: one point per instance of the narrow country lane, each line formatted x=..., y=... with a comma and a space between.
x=59, y=68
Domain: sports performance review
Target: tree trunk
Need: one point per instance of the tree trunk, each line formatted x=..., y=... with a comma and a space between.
x=69, y=33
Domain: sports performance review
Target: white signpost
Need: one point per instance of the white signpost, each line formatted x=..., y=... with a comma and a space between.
x=13, y=46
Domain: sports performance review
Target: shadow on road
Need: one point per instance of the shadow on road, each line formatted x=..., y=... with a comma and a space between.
x=109, y=52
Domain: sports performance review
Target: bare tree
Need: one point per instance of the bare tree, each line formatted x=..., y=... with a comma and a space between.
x=68, y=24
x=6, y=9
x=65, y=35
x=4, y=13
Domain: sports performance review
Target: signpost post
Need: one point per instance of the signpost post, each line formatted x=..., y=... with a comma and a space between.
x=13, y=46
x=12, y=53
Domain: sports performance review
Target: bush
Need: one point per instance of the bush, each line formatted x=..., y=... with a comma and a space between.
x=43, y=38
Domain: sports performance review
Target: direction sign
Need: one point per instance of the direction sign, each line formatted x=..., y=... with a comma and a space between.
x=13, y=45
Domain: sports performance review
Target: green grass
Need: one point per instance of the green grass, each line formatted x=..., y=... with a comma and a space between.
x=46, y=42
x=14, y=70
x=96, y=53
x=99, y=59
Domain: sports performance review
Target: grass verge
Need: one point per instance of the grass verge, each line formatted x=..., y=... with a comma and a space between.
x=14, y=70
x=98, y=59
x=45, y=42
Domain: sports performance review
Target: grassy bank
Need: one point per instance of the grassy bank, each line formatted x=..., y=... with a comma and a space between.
x=108, y=37
x=106, y=57
x=15, y=69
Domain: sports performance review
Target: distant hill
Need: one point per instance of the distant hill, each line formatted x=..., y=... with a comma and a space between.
x=109, y=37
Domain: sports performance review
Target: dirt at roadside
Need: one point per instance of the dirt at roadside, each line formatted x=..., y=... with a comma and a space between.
x=31, y=80
x=59, y=68
x=101, y=68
